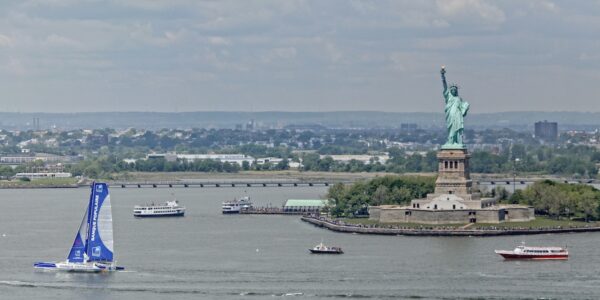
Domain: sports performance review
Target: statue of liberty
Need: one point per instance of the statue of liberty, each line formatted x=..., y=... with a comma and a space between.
x=456, y=109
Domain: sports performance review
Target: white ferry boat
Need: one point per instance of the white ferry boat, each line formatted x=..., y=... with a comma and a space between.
x=537, y=253
x=236, y=205
x=168, y=209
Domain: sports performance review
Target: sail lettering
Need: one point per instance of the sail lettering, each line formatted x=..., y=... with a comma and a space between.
x=95, y=218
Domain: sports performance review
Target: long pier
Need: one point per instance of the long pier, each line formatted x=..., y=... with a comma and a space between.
x=222, y=183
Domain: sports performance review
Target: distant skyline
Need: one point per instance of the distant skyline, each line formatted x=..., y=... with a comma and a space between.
x=178, y=55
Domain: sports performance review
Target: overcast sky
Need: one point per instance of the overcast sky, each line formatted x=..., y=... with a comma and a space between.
x=177, y=55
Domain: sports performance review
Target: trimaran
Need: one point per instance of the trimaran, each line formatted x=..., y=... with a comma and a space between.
x=92, y=250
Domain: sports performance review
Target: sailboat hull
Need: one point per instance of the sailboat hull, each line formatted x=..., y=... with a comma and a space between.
x=78, y=267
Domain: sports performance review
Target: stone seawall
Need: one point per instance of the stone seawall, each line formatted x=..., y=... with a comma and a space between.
x=334, y=226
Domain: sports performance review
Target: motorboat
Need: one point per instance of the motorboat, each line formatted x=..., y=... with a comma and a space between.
x=322, y=249
x=537, y=253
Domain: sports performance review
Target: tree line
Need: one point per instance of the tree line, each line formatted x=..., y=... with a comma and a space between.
x=559, y=200
x=354, y=199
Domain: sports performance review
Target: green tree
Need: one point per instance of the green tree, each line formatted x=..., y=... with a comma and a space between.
x=381, y=195
x=245, y=165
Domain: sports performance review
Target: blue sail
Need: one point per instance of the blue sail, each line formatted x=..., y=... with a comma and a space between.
x=99, y=246
x=77, y=253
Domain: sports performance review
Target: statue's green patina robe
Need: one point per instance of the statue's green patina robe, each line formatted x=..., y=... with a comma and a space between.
x=456, y=109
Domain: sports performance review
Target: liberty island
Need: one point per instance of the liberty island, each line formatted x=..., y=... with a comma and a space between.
x=453, y=201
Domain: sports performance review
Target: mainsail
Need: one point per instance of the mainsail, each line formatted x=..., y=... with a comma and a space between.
x=99, y=239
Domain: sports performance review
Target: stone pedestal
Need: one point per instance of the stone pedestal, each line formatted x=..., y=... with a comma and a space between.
x=453, y=172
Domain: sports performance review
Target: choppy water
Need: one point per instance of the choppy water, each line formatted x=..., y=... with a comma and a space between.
x=207, y=255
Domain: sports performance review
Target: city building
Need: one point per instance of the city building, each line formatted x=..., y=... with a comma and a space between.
x=230, y=158
x=546, y=131
x=366, y=159
x=304, y=205
x=25, y=158
x=39, y=175
x=408, y=127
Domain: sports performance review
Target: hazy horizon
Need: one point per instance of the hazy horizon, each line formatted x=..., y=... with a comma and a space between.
x=299, y=56
x=299, y=111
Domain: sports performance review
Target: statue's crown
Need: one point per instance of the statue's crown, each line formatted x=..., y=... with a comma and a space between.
x=454, y=85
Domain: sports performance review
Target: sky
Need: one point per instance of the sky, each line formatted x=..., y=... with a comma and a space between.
x=297, y=55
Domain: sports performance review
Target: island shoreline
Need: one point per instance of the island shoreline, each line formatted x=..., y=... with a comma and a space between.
x=360, y=229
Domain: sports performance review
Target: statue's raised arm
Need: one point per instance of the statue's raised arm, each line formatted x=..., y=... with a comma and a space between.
x=443, y=72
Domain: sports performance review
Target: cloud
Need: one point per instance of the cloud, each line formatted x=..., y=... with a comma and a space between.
x=54, y=40
x=463, y=10
x=14, y=66
x=310, y=49
x=145, y=33
x=219, y=41
x=5, y=41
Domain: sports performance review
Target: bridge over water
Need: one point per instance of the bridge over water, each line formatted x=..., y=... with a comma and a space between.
x=517, y=183
x=224, y=183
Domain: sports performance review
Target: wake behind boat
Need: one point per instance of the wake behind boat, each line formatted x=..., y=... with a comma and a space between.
x=535, y=253
x=92, y=250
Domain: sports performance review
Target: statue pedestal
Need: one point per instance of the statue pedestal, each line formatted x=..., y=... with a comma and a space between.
x=453, y=172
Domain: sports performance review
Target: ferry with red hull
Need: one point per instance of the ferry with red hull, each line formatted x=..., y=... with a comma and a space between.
x=536, y=253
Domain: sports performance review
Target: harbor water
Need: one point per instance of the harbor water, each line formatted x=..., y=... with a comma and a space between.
x=208, y=255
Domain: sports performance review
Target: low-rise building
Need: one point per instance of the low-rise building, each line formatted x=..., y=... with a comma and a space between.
x=366, y=159
x=230, y=158
x=304, y=205
x=44, y=175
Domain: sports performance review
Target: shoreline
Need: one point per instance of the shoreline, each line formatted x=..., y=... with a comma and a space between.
x=395, y=230
x=23, y=187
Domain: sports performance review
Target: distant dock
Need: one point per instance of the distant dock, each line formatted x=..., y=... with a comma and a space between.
x=270, y=211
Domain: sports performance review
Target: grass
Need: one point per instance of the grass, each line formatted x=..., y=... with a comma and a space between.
x=540, y=221
x=42, y=182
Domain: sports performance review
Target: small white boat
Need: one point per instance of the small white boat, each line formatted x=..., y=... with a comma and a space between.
x=236, y=205
x=322, y=249
x=535, y=253
x=92, y=250
x=168, y=209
